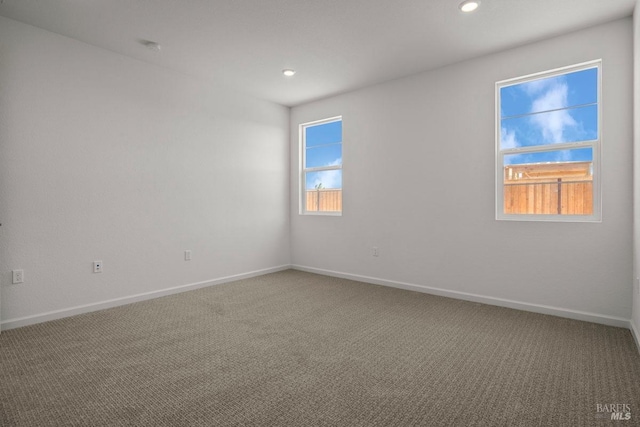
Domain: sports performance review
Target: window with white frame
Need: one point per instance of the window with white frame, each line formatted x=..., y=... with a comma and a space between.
x=548, y=145
x=321, y=167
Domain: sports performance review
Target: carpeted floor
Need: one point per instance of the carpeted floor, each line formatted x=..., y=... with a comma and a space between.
x=298, y=349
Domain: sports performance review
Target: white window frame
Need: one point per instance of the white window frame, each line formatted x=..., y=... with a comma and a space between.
x=304, y=171
x=595, y=145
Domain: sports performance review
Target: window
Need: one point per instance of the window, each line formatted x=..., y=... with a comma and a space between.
x=321, y=167
x=548, y=145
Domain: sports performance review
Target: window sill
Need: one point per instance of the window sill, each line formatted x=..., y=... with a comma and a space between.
x=321, y=213
x=550, y=218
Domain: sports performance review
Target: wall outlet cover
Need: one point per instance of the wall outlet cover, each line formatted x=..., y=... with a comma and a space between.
x=18, y=276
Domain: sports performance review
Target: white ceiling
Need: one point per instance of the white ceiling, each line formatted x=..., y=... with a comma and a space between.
x=335, y=45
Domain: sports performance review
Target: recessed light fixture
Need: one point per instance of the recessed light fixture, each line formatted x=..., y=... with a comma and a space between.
x=469, y=5
x=151, y=45
x=288, y=72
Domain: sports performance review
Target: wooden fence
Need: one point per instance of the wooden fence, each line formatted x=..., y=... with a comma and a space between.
x=564, y=198
x=550, y=188
x=324, y=200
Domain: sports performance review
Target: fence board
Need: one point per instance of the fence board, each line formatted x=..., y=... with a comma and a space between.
x=324, y=200
x=576, y=198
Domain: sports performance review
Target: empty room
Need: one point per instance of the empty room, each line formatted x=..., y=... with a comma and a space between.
x=319, y=213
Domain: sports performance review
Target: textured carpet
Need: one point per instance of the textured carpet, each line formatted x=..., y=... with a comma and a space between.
x=298, y=349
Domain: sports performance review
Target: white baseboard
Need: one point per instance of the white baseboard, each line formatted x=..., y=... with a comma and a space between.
x=536, y=308
x=501, y=302
x=635, y=331
x=59, y=314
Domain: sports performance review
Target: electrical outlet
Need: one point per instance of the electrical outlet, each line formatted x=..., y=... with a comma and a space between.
x=97, y=266
x=18, y=276
x=187, y=255
x=376, y=251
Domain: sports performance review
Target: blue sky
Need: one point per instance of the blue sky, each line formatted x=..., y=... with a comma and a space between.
x=530, y=116
x=324, y=148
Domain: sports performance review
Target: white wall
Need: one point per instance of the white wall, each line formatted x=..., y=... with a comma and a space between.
x=636, y=168
x=419, y=184
x=103, y=157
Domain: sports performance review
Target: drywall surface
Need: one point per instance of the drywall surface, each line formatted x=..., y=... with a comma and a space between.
x=103, y=157
x=636, y=169
x=419, y=184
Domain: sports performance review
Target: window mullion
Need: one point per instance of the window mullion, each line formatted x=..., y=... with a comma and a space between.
x=535, y=113
x=323, y=168
x=550, y=147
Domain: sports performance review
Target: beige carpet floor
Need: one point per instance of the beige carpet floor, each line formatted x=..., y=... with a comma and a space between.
x=298, y=349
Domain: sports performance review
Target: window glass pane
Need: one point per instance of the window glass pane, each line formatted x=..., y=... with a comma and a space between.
x=566, y=90
x=323, y=191
x=323, y=179
x=572, y=125
x=328, y=133
x=552, y=183
x=323, y=155
x=555, y=156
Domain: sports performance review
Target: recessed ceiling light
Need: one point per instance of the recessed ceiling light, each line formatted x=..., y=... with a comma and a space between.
x=151, y=45
x=469, y=5
x=288, y=72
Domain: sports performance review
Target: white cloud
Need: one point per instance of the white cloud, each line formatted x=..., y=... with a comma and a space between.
x=563, y=156
x=508, y=139
x=535, y=87
x=328, y=179
x=336, y=162
x=553, y=125
x=515, y=159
